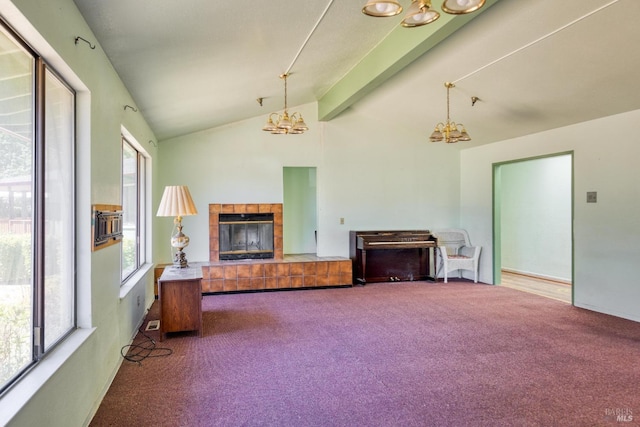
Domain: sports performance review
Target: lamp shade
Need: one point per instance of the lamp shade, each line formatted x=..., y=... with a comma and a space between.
x=270, y=126
x=419, y=13
x=459, y=7
x=285, y=121
x=300, y=125
x=382, y=8
x=176, y=201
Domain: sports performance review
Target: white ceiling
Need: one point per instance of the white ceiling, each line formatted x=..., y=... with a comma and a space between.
x=197, y=64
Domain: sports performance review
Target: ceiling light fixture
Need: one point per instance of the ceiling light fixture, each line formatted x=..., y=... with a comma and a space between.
x=285, y=123
x=382, y=8
x=420, y=11
x=449, y=132
x=460, y=7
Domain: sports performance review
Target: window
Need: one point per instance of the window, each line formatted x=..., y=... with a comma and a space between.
x=133, y=197
x=37, y=249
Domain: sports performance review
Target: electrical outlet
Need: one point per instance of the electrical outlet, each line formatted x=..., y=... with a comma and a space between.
x=341, y=221
x=592, y=197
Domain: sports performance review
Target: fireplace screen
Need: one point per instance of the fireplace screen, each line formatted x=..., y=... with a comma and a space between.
x=246, y=236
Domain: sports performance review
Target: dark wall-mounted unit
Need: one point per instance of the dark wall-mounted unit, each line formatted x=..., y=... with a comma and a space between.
x=106, y=226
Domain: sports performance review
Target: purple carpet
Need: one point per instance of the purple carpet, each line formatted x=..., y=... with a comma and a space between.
x=387, y=354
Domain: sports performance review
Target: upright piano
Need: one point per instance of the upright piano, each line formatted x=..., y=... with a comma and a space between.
x=392, y=256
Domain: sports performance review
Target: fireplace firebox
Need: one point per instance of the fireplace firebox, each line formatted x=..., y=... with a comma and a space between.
x=246, y=236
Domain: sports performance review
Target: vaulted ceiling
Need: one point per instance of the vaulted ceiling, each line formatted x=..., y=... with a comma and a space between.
x=534, y=65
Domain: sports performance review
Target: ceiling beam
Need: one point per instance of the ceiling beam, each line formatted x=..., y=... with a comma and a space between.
x=400, y=48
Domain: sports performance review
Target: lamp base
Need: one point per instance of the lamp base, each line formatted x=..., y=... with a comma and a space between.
x=180, y=260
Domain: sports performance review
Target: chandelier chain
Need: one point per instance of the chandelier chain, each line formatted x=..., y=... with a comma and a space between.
x=284, y=76
x=448, y=120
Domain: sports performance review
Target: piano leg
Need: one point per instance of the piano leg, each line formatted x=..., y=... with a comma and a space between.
x=363, y=268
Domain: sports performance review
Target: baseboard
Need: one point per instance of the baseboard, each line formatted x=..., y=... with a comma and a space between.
x=537, y=276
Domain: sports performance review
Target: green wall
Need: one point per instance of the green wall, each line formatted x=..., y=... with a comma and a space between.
x=299, y=211
x=67, y=386
x=536, y=217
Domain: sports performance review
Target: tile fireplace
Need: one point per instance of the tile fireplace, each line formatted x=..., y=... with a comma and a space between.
x=260, y=240
x=252, y=274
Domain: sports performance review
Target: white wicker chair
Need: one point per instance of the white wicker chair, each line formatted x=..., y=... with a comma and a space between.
x=456, y=253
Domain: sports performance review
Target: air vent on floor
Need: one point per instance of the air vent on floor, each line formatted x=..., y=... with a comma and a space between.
x=153, y=325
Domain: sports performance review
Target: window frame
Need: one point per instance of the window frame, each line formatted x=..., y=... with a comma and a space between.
x=141, y=202
x=40, y=349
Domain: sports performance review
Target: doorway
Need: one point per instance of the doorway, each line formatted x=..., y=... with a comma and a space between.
x=533, y=217
x=299, y=211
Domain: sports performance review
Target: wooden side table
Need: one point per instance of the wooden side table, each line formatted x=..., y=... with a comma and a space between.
x=180, y=299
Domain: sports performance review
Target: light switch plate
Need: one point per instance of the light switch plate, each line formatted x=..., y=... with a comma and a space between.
x=592, y=197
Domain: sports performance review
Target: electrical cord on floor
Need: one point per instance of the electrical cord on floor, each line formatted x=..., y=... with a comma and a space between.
x=137, y=352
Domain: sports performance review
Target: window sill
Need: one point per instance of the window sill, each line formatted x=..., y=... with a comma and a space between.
x=133, y=281
x=19, y=395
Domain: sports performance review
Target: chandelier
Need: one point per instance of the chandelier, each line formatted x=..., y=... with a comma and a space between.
x=419, y=12
x=449, y=132
x=284, y=123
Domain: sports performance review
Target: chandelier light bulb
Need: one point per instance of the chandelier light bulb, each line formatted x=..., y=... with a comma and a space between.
x=419, y=13
x=460, y=7
x=382, y=8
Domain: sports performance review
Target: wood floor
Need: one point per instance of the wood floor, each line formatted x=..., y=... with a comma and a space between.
x=547, y=288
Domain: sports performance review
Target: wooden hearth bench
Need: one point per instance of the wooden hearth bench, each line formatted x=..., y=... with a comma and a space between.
x=291, y=272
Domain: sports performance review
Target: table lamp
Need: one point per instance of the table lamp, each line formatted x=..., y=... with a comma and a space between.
x=177, y=202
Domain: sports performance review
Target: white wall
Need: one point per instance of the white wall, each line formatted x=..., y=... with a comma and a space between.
x=66, y=387
x=369, y=173
x=378, y=176
x=237, y=163
x=536, y=201
x=605, y=233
